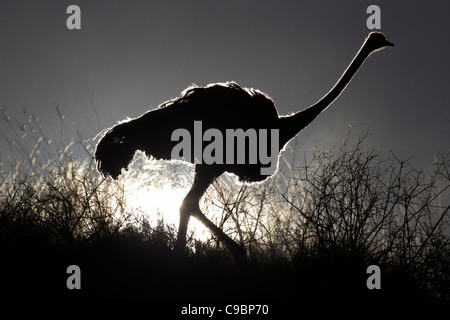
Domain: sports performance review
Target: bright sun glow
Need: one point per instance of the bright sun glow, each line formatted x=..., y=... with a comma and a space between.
x=164, y=201
x=157, y=189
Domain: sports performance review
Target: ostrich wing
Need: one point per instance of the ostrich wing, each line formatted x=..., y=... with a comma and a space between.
x=218, y=106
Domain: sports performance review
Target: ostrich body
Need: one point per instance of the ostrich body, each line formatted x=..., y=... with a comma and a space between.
x=220, y=106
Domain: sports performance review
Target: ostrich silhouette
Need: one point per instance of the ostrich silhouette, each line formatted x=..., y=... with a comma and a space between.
x=221, y=106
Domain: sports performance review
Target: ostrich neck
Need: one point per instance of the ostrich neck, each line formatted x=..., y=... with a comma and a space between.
x=290, y=126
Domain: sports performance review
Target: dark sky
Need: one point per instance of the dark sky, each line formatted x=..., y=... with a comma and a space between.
x=130, y=56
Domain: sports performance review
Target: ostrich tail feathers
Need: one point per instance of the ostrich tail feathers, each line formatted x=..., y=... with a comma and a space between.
x=115, y=150
x=101, y=134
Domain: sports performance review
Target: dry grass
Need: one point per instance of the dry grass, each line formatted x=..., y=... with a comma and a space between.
x=310, y=232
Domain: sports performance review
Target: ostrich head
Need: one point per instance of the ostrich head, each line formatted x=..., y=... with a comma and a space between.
x=377, y=41
x=115, y=150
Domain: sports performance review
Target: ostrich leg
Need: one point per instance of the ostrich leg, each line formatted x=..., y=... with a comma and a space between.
x=190, y=207
x=182, y=229
x=236, y=250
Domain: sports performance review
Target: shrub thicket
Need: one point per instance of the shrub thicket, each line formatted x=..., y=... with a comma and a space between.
x=310, y=232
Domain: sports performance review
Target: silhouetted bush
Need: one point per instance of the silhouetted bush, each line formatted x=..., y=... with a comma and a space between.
x=310, y=232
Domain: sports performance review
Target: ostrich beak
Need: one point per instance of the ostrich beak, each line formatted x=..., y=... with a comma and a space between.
x=389, y=44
